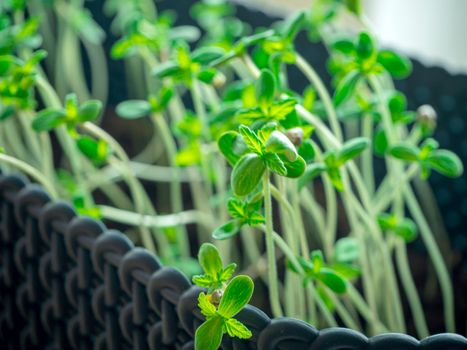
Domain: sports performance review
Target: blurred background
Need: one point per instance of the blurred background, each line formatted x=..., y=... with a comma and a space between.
x=432, y=33
x=429, y=30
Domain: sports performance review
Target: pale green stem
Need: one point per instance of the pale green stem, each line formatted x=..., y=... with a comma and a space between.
x=367, y=156
x=411, y=290
x=31, y=171
x=270, y=249
x=435, y=255
x=282, y=245
x=136, y=190
x=314, y=78
x=291, y=279
x=159, y=221
x=175, y=185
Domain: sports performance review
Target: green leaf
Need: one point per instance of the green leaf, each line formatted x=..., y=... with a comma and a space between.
x=210, y=259
x=207, y=309
x=397, y=103
x=446, y=163
x=255, y=218
x=209, y=335
x=249, y=115
x=265, y=89
x=280, y=144
x=48, y=119
x=89, y=111
x=281, y=109
x=293, y=25
x=317, y=260
x=352, y=149
x=6, y=112
x=365, y=46
x=296, y=168
x=227, y=230
x=275, y=164
x=227, y=273
x=380, y=142
x=204, y=281
x=236, y=208
x=207, y=75
x=343, y=45
x=71, y=105
x=237, y=294
x=252, y=141
x=332, y=280
x=346, y=87
x=398, y=66
x=406, y=229
x=133, y=109
x=232, y=146
x=307, y=151
x=247, y=174
x=207, y=54
x=235, y=328
x=405, y=151
x=346, y=271
x=97, y=151
x=346, y=250
x=166, y=69
x=312, y=171
x=190, y=155
x=387, y=221
x=6, y=62
x=336, y=178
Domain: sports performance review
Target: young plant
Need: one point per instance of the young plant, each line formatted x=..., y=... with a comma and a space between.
x=224, y=298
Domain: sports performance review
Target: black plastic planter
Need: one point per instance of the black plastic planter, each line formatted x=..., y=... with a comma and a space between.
x=66, y=282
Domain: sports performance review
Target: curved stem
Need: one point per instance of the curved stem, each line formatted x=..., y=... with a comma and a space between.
x=31, y=171
x=160, y=221
x=136, y=190
x=314, y=78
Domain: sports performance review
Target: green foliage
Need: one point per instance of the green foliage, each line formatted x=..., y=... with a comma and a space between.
x=225, y=298
x=333, y=276
x=70, y=116
x=96, y=151
x=185, y=66
x=429, y=157
x=266, y=149
x=405, y=228
x=215, y=275
x=243, y=212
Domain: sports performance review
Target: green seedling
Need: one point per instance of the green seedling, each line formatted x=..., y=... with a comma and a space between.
x=243, y=212
x=186, y=66
x=333, y=161
x=226, y=85
x=224, y=299
x=266, y=149
x=71, y=115
x=334, y=276
x=402, y=227
x=156, y=36
x=17, y=79
x=359, y=59
x=267, y=108
x=429, y=157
